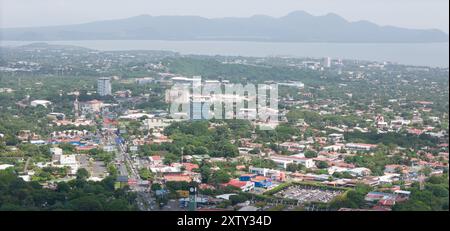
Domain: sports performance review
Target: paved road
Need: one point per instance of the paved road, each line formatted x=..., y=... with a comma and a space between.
x=145, y=201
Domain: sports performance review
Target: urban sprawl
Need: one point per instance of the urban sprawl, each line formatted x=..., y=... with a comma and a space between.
x=83, y=129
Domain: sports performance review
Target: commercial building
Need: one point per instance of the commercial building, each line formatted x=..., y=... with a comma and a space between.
x=284, y=161
x=326, y=62
x=104, y=86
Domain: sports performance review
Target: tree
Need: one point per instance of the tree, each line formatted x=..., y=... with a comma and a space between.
x=145, y=174
x=295, y=167
x=82, y=174
x=205, y=172
x=433, y=198
x=112, y=170
x=155, y=187
x=310, y=154
x=236, y=199
x=76, y=195
x=411, y=205
x=88, y=203
x=437, y=190
x=118, y=205
x=255, y=151
x=350, y=199
x=170, y=158
x=322, y=164
x=263, y=163
x=220, y=177
x=67, y=148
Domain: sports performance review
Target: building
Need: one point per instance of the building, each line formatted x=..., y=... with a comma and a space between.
x=292, y=146
x=308, y=163
x=326, y=62
x=357, y=172
x=189, y=166
x=56, y=151
x=156, y=123
x=295, y=84
x=269, y=173
x=334, y=148
x=261, y=182
x=155, y=160
x=145, y=80
x=246, y=177
x=336, y=138
x=284, y=161
x=5, y=166
x=56, y=116
x=91, y=107
x=44, y=103
x=6, y=90
x=185, y=80
x=377, y=196
x=245, y=186
x=360, y=147
x=104, y=86
x=136, y=116
x=69, y=161
x=177, y=178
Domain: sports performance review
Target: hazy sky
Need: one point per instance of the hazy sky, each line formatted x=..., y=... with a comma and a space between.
x=404, y=13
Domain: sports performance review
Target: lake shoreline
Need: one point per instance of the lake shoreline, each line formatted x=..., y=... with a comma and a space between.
x=415, y=54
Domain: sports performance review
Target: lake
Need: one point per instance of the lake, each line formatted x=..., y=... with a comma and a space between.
x=419, y=54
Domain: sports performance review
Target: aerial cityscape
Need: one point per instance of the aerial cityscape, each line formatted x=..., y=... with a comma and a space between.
x=84, y=129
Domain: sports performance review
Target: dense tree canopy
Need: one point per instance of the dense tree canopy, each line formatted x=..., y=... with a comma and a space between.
x=78, y=195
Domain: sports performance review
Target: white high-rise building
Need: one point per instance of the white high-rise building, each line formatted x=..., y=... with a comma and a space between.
x=104, y=86
x=326, y=62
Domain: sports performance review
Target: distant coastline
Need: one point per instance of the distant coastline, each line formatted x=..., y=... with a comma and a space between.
x=416, y=54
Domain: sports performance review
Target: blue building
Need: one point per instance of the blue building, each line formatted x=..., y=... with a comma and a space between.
x=247, y=177
x=262, y=182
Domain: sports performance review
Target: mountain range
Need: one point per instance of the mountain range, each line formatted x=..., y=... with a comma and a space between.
x=297, y=26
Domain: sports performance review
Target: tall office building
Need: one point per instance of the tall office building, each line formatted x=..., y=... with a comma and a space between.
x=104, y=86
x=326, y=62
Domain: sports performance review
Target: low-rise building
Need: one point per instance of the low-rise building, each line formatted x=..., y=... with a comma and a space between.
x=44, y=103
x=360, y=147
x=245, y=186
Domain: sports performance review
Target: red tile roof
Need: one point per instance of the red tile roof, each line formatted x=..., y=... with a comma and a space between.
x=236, y=183
x=177, y=177
x=190, y=166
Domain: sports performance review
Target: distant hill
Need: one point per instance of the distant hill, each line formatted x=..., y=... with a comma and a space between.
x=298, y=26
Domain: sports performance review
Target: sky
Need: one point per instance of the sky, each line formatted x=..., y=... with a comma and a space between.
x=417, y=14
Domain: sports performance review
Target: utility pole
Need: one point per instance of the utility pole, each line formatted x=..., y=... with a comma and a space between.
x=421, y=182
x=182, y=155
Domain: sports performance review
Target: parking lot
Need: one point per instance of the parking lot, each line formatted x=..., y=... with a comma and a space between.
x=304, y=195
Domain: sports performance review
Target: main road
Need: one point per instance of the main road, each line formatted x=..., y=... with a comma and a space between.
x=127, y=168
